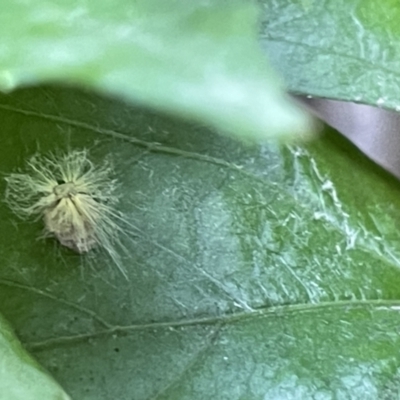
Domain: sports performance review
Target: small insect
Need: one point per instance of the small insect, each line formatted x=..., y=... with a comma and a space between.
x=74, y=198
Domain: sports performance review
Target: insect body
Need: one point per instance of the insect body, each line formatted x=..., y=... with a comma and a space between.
x=72, y=218
x=74, y=198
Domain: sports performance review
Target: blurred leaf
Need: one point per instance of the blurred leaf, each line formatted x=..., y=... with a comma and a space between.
x=345, y=50
x=196, y=59
x=21, y=378
x=254, y=272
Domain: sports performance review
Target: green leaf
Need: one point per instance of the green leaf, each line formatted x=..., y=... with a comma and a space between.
x=346, y=50
x=196, y=59
x=254, y=272
x=21, y=378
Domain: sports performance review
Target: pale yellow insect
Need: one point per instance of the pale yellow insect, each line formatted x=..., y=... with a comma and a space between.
x=74, y=198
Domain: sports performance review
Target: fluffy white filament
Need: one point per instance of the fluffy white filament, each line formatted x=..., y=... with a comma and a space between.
x=74, y=198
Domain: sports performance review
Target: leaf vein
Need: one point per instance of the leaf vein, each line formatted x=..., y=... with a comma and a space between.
x=266, y=312
x=92, y=314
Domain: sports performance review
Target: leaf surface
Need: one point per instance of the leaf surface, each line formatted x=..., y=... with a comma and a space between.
x=253, y=271
x=344, y=50
x=196, y=59
x=21, y=378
